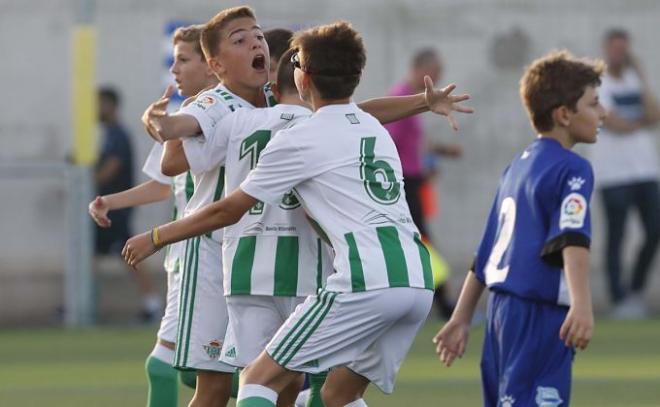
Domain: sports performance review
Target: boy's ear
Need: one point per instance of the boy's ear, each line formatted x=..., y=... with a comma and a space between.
x=216, y=66
x=561, y=116
x=276, y=90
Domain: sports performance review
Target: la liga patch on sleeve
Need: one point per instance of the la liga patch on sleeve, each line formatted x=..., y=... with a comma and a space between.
x=573, y=211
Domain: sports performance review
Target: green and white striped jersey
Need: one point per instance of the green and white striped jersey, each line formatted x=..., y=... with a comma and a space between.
x=182, y=190
x=272, y=250
x=345, y=168
x=206, y=164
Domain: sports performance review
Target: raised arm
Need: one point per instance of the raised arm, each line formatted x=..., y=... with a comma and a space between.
x=213, y=216
x=578, y=326
x=162, y=126
x=145, y=193
x=439, y=101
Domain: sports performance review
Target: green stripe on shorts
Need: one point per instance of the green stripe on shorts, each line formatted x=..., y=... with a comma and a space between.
x=395, y=259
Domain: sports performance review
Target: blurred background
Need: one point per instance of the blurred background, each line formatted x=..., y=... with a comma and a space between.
x=483, y=46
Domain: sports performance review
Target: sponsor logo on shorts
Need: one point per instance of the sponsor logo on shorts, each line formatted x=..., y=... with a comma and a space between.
x=213, y=349
x=573, y=211
x=548, y=397
x=231, y=353
x=507, y=401
x=204, y=102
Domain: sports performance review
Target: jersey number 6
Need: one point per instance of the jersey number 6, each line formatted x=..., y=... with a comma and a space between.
x=378, y=176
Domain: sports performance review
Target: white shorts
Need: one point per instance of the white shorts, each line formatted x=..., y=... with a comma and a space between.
x=202, y=308
x=253, y=320
x=368, y=332
x=168, y=323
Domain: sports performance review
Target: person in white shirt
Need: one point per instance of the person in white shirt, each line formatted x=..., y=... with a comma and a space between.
x=627, y=170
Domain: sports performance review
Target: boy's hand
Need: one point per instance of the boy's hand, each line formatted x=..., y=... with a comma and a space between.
x=155, y=111
x=578, y=327
x=98, y=210
x=138, y=248
x=451, y=340
x=441, y=101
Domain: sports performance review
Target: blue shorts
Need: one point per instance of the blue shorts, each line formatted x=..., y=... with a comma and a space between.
x=524, y=363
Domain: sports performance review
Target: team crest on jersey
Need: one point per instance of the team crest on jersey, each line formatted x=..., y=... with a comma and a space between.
x=576, y=183
x=204, y=102
x=507, y=401
x=548, y=397
x=213, y=349
x=573, y=211
x=289, y=201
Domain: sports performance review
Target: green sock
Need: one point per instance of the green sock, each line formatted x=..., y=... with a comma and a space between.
x=254, y=395
x=234, y=383
x=163, y=385
x=189, y=378
x=315, y=383
x=255, y=402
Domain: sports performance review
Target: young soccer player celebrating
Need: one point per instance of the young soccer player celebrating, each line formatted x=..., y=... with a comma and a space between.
x=192, y=75
x=534, y=254
x=346, y=170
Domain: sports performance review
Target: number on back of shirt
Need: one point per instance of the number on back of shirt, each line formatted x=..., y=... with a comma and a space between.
x=495, y=272
x=378, y=175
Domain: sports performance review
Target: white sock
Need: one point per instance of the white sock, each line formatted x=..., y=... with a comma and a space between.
x=357, y=403
x=163, y=353
x=256, y=390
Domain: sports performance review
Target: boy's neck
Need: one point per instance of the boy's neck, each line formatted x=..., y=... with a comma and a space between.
x=318, y=103
x=254, y=96
x=292, y=99
x=561, y=135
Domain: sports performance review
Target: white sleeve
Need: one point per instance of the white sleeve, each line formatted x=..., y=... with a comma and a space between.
x=605, y=96
x=207, y=109
x=152, y=165
x=281, y=167
x=202, y=154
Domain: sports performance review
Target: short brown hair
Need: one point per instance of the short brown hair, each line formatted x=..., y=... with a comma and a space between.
x=285, y=81
x=557, y=79
x=212, y=31
x=278, y=40
x=334, y=56
x=190, y=34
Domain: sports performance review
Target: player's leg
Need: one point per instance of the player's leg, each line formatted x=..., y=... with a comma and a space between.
x=616, y=202
x=162, y=377
x=647, y=201
x=534, y=364
x=342, y=387
x=262, y=381
x=203, y=322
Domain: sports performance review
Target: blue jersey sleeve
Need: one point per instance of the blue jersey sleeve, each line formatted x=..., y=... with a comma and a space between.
x=570, y=214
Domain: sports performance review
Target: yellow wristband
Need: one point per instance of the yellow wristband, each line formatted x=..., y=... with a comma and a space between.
x=154, y=237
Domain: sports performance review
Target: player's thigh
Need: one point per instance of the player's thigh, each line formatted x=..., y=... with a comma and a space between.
x=168, y=324
x=381, y=360
x=334, y=329
x=203, y=309
x=253, y=320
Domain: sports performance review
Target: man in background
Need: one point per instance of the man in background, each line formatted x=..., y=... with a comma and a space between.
x=114, y=173
x=408, y=136
x=627, y=170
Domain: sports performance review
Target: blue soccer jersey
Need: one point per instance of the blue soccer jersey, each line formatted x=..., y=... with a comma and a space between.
x=541, y=206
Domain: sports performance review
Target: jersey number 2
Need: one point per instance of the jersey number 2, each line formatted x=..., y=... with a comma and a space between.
x=507, y=220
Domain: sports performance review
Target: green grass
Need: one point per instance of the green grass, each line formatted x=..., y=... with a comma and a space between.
x=104, y=367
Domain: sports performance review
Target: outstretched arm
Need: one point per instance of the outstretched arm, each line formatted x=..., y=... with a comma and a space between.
x=439, y=101
x=147, y=192
x=452, y=339
x=213, y=216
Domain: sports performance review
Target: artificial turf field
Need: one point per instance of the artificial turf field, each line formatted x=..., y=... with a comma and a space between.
x=104, y=367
